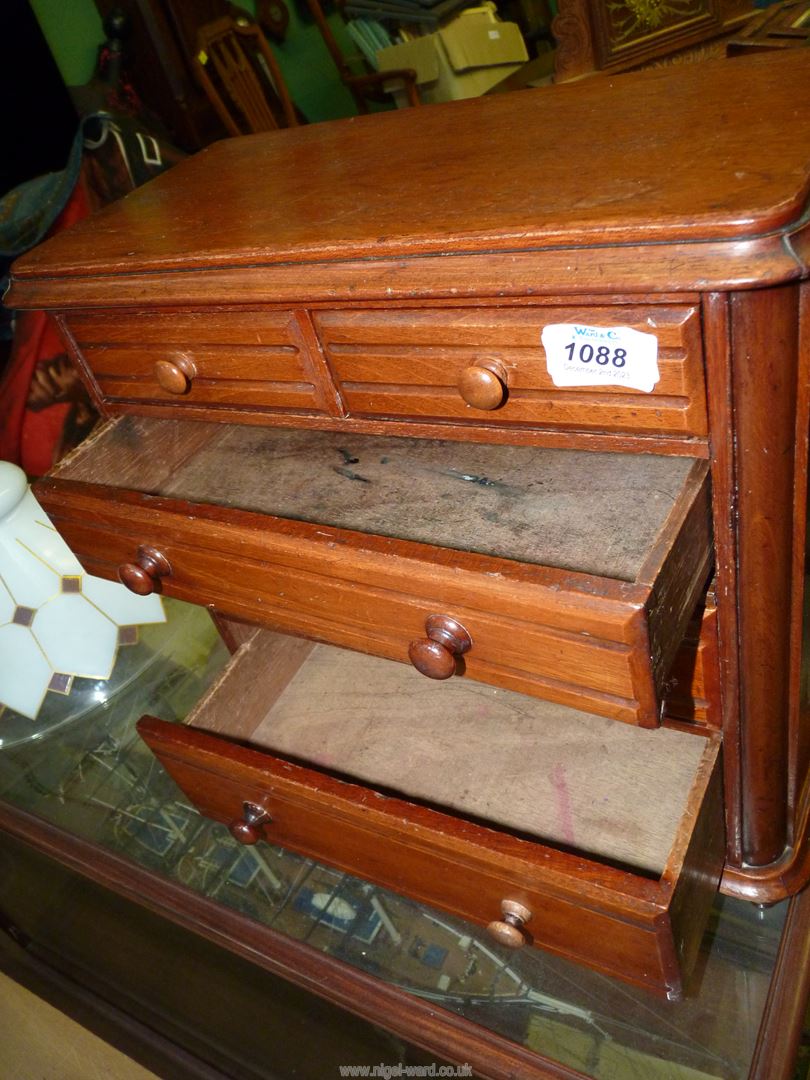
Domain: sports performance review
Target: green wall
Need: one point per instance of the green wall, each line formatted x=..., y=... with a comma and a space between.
x=307, y=67
x=73, y=31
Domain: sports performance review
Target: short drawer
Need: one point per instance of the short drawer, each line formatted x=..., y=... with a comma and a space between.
x=246, y=359
x=412, y=364
x=610, y=838
x=572, y=574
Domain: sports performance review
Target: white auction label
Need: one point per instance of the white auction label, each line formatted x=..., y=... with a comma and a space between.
x=579, y=355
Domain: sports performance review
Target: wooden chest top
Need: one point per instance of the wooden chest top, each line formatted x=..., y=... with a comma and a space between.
x=711, y=153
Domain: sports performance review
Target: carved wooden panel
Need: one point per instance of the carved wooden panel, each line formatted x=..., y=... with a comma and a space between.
x=614, y=34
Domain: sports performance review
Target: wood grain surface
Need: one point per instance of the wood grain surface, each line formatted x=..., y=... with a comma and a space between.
x=693, y=681
x=391, y=363
x=502, y=173
x=601, y=270
x=764, y=331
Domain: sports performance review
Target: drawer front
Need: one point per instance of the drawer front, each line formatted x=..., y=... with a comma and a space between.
x=248, y=359
x=626, y=925
x=410, y=364
x=585, y=642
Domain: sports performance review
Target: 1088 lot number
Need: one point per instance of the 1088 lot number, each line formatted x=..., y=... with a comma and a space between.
x=601, y=355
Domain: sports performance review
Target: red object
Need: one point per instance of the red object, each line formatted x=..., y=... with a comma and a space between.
x=44, y=408
x=34, y=423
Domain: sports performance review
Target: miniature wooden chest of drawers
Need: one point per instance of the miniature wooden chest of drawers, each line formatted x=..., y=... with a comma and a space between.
x=332, y=412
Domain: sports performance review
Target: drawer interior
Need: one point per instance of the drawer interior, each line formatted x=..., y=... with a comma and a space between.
x=592, y=513
x=544, y=771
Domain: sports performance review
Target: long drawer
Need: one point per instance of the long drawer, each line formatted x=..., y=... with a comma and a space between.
x=562, y=574
x=597, y=841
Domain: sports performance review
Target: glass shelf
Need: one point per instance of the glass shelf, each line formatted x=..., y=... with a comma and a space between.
x=97, y=780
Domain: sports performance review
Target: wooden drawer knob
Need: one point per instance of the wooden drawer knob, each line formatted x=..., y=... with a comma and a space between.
x=143, y=576
x=435, y=655
x=483, y=384
x=174, y=376
x=510, y=929
x=247, y=828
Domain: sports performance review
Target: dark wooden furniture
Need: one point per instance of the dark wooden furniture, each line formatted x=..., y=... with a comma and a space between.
x=781, y=26
x=159, y=51
x=415, y=850
x=355, y=328
x=586, y=609
x=117, y=892
x=592, y=36
x=158, y=59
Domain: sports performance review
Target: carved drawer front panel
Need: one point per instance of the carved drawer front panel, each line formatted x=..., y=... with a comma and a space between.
x=563, y=574
x=245, y=359
x=487, y=365
x=552, y=827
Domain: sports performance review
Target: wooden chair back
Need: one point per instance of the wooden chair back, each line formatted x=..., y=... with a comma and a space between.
x=241, y=77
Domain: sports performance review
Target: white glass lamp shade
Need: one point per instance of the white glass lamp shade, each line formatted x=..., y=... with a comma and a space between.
x=57, y=623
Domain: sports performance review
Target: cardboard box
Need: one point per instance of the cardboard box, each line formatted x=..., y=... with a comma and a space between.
x=463, y=59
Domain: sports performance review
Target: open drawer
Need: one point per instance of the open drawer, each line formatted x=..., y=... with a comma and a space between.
x=564, y=574
x=610, y=837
